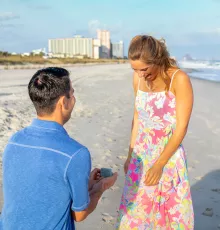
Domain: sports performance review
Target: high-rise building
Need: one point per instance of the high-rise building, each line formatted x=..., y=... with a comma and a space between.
x=96, y=48
x=118, y=50
x=70, y=47
x=104, y=37
x=80, y=47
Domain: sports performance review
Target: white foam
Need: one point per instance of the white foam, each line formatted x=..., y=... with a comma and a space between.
x=203, y=69
x=199, y=64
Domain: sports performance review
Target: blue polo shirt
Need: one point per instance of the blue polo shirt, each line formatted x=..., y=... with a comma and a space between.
x=45, y=176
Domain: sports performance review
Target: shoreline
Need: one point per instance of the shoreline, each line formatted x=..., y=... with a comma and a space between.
x=39, y=66
x=30, y=66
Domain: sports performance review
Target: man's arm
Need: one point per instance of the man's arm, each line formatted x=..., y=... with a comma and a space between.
x=94, y=199
x=85, y=195
x=95, y=194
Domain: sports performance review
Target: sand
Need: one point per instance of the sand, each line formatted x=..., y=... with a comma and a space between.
x=102, y=121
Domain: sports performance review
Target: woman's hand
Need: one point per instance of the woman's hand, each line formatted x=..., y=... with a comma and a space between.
x=153, y=175
x=126, y=164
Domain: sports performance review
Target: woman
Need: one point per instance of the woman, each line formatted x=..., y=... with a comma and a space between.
x=157, y=191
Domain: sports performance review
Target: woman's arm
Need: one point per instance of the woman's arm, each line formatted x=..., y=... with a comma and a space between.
x=184, y=103
x=134, y=127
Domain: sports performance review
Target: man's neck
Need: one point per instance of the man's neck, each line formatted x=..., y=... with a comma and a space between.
x=51, y=118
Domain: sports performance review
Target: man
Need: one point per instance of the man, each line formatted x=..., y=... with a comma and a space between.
x=46, y=175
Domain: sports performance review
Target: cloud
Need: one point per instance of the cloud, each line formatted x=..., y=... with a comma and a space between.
x=206, y=37
x=39, y=7
x=8, y=21
x=215, y=31
x=7, y=38
x=22, y=43
x=116, y=30
x=6, y=16
x=81, y=32
x=7, y=25
x=197, y=38
x=93, y=25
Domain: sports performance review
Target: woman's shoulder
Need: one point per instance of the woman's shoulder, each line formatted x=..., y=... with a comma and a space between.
x=180, y=81
x=178, y=75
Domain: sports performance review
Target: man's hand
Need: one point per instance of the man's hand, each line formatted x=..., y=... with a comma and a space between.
x=104, y=183
x=94, y=177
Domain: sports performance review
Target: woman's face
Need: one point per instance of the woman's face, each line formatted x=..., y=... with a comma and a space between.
x=146, y=71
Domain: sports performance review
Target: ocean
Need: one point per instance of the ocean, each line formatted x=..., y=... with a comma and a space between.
x=206, y=70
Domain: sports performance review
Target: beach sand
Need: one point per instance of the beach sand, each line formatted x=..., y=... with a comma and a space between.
x=102, y=121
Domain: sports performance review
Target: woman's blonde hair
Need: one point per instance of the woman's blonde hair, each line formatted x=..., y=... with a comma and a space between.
x=153, y=52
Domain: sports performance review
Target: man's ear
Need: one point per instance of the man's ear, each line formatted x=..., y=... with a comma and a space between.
x=63, y=102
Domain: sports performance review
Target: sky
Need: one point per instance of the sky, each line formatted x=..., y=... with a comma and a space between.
x=189, y=26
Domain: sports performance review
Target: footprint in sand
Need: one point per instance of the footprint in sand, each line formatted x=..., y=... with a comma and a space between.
x=108, y=153
x=104, y=158
x=109, y=161
x=122, y=157
x=198, y=178
x=209, y=124
x=116, y=165
x=114, y=188
x=198, y=189
x=102, y=200
x=191, y=168
x=107, y=218
x=213, y=156
x=216, y=131
x=196, y=162
x=208, y=212
x=216, y=190
x=109, y=139
x=97, y=166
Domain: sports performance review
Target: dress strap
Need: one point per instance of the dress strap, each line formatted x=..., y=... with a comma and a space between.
x=173, y=78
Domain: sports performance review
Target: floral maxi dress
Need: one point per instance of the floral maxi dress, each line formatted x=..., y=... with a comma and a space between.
x=167, y=205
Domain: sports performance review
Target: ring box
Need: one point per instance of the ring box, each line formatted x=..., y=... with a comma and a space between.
x=106, y=172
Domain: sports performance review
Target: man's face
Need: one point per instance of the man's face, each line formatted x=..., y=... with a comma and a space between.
x=70, y=103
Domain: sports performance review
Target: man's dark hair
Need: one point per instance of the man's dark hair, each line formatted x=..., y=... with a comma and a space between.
x=46, y=87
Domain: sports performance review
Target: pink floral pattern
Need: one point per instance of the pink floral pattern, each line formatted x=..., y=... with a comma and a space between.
x=167, y=205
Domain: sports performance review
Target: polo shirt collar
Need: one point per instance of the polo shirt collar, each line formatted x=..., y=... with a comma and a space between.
x=45, y=124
